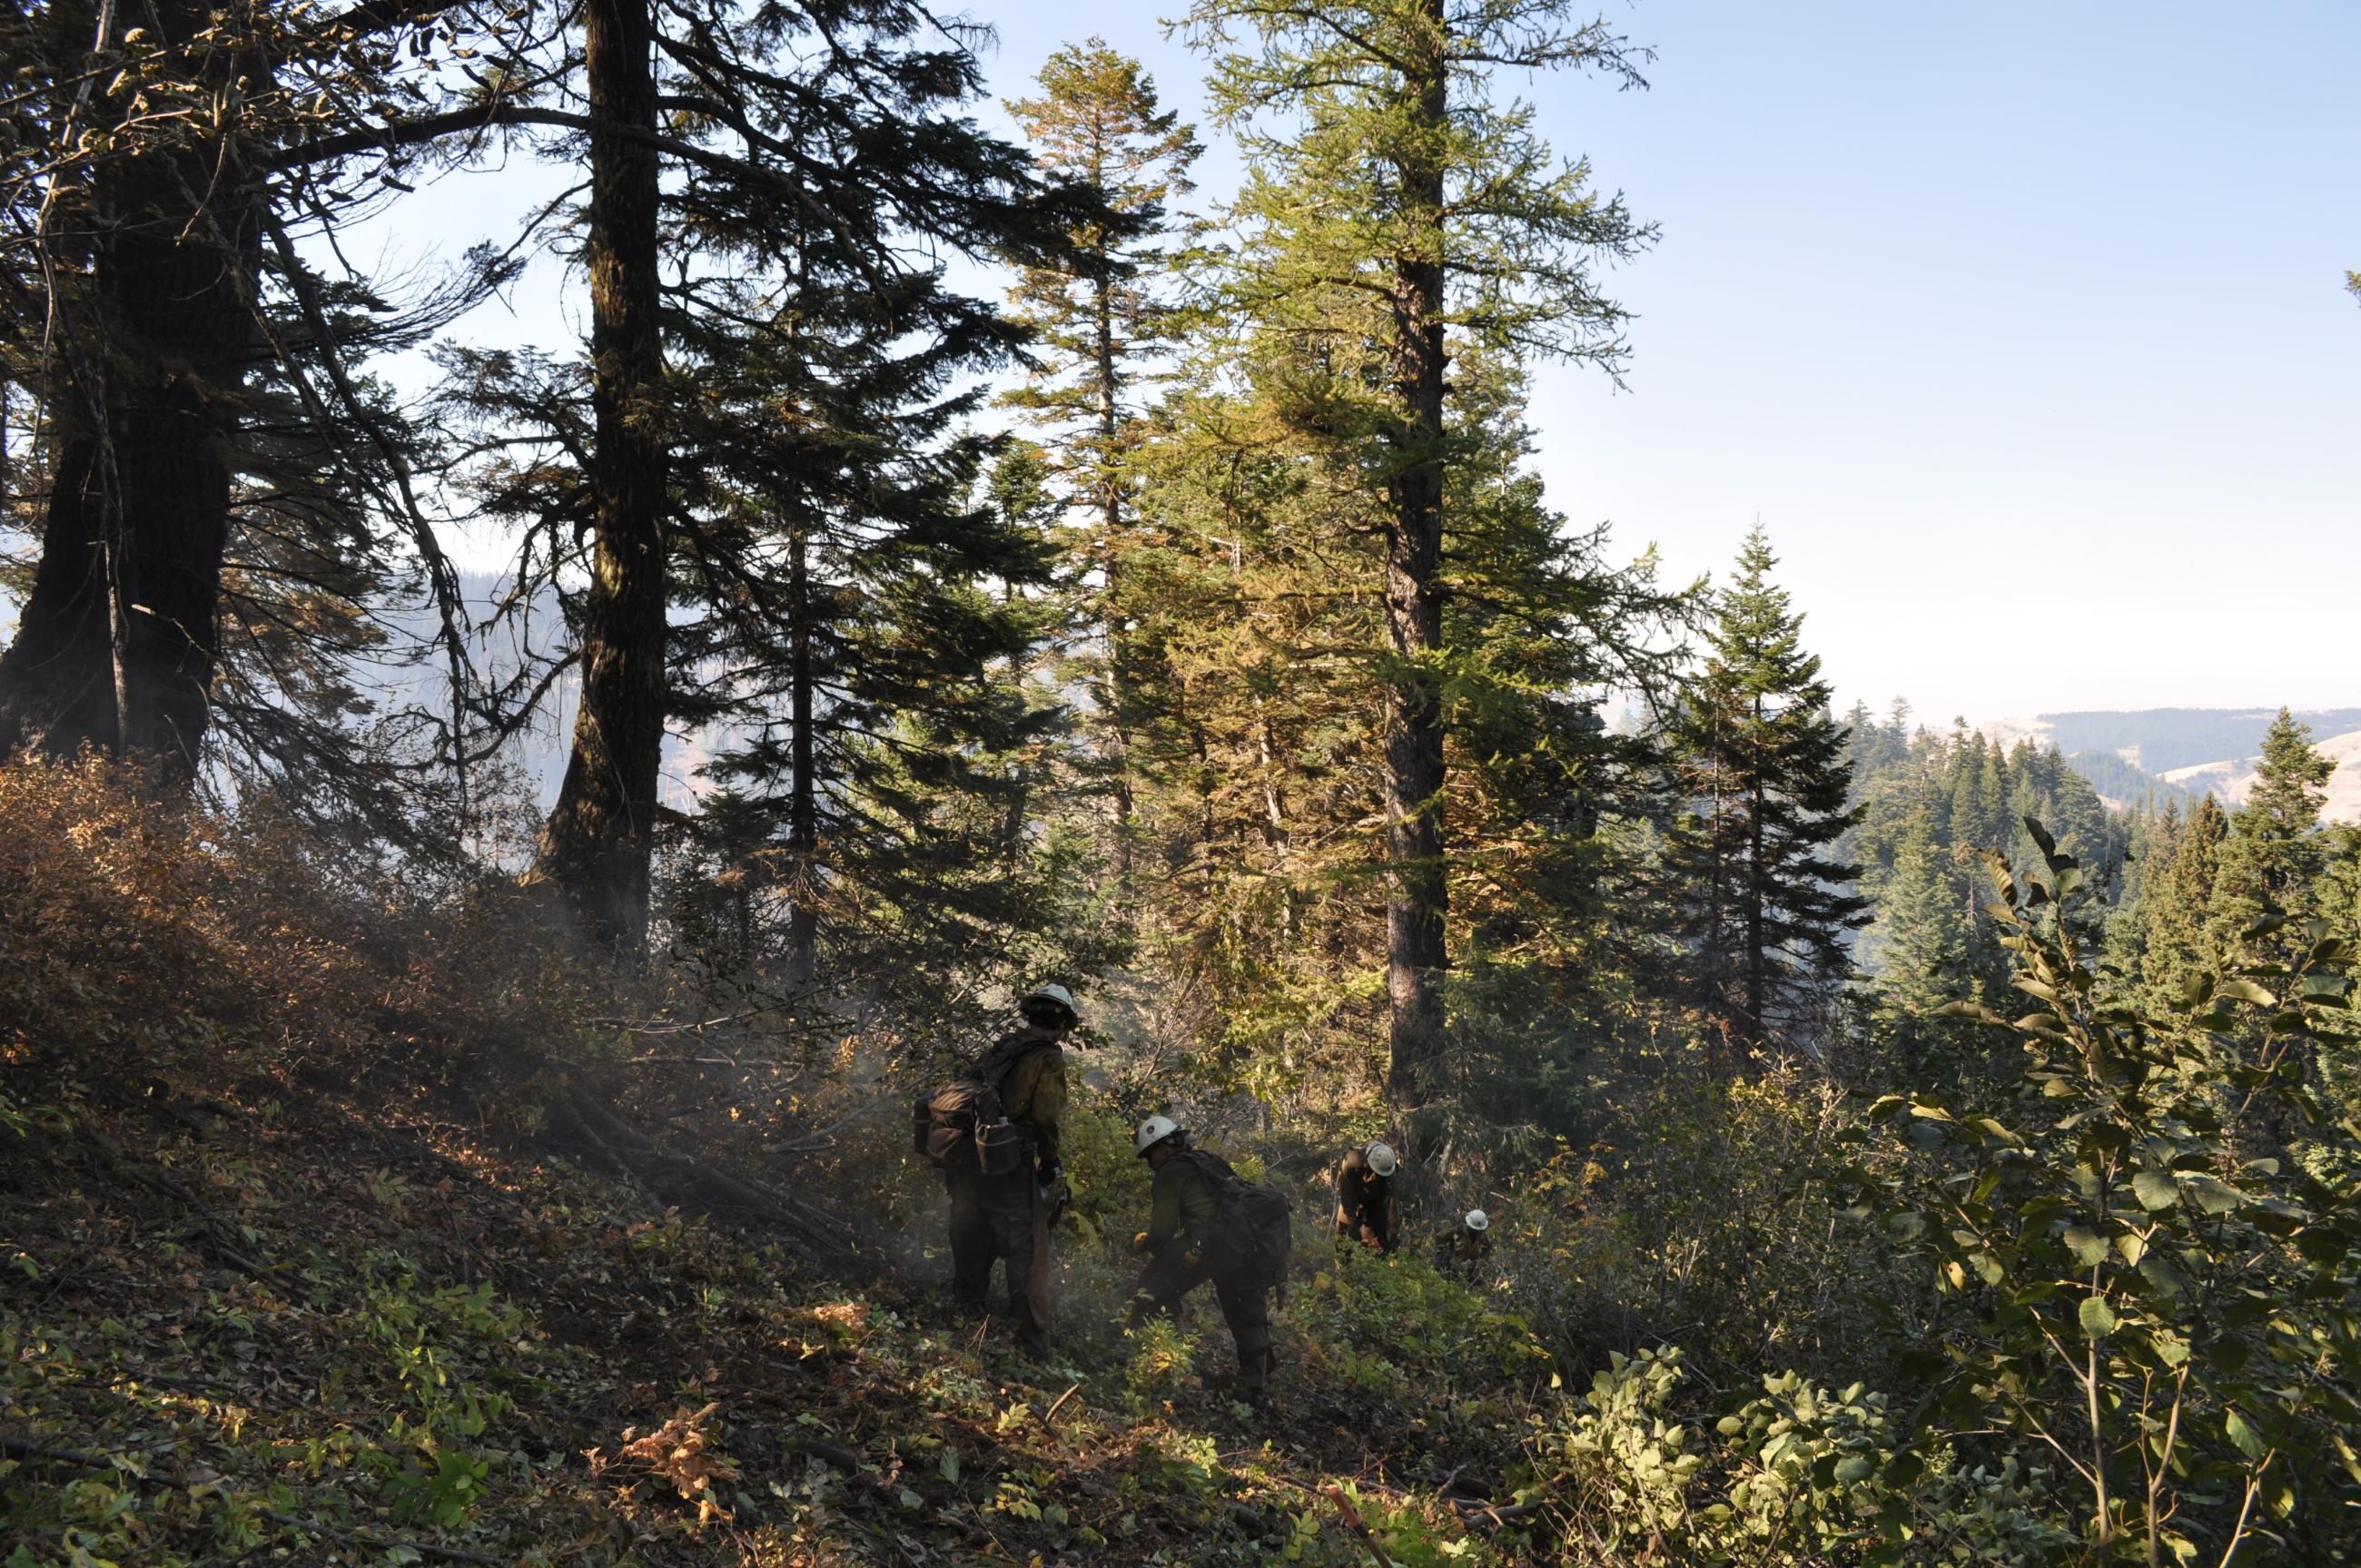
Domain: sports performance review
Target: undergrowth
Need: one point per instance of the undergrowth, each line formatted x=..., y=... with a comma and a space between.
x=332, y=1234
x=296, y=1269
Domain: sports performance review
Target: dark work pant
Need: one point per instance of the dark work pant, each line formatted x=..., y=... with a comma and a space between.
x=992, y=1220
x=1244, y=1306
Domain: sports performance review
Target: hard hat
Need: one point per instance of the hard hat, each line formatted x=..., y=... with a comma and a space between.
x=1052, y=991
x=1381, y=1158
x=1478, y=1220
x=1153, y=1131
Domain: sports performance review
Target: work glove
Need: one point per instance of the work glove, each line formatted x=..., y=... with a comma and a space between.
x=1140, y=1242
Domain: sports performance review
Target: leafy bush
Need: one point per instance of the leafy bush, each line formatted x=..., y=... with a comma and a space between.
x=1689, y=1216
x=1800, y=1476
x=1396, y=1329
x=147, y=935
x=2138, y=1289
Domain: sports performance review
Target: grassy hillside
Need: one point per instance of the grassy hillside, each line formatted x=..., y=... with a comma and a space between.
x=337, y=1233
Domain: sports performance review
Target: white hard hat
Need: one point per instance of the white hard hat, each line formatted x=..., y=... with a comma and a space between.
x=1153, y=1131
x=1381, y=1158
x=1478, y=1220
x=1052, y=991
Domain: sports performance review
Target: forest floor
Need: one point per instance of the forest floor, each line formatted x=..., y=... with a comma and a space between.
x=285, y=1322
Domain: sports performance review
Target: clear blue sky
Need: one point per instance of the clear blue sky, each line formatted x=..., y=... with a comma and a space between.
x=2019, y=326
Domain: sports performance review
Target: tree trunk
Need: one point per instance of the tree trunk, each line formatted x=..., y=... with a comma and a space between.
x=1111, y=694
x=803, y=800
x=1758, y=885
x=116, y=644
x=596, y=844
x=1416, y=889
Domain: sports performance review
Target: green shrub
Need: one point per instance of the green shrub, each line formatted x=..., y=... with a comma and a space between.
x=2138, y=1289
x=1394, y=1328
x=1796, y=1477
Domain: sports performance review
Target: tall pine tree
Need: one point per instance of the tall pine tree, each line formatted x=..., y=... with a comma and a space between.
x=1100, y=311
x=1396, y=212
x=2177, y=895
x=827, y=128
x=1760, y=763
x=1922, y=940
x=2272, y=858
x=219, y=491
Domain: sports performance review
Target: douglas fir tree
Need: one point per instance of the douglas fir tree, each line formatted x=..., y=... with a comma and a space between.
x=1397, y=216
x=1761, y=762
x=1099, y=313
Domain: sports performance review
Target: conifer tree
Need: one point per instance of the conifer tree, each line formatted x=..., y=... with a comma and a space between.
x=830, y=128
x=1099, y=313
x=1261, y=773
x=2272, y=858
x=2150, y=847
x=1760, y=763
x=211, y=477
x=2180, y=897
x=853, y=620
x=1394, y=210
x=1979, y=792
x=600, y=834
x=1921, y=945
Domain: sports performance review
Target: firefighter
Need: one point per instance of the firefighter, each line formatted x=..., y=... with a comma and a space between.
x=1006, y=1216
x=1463, y=1251
x=1367, y=1212
x=1189, y=1243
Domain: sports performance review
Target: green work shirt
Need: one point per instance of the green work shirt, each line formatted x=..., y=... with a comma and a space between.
x=1033, y=1091
x=1187, y=1199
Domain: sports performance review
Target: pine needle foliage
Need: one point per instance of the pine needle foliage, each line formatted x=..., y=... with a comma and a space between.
x=1760, y=763
x=1398, y=215
x=1101, y=316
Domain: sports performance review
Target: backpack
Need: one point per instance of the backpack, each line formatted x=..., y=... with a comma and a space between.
x=967, y=1112
x=1254, y=1226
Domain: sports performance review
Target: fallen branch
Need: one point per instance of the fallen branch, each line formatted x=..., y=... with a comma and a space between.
x=825, y=1137
x=1496, y=1514
x=378, y=1542
x=844, y=1459
x=1353, y=1522
x=668, y=1179
x=617, y=1163
x=1056, y=1405
x=222, y=1236
x=21, y=1449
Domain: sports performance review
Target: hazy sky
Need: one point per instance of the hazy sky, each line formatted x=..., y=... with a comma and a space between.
x=2019, y=326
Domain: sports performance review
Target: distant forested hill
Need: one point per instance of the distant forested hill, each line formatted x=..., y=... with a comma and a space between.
x=2127, y=784
x=2161, y=739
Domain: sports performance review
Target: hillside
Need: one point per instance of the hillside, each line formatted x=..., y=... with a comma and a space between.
x=348, y=1230
x=2163, y=741
x=340, y=1237
x=2233, y=780
x=2183, y=752
x=278, y=1323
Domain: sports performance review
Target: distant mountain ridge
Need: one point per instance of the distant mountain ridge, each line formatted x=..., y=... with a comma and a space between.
x=2190, y=751
x=2160, y=740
